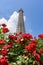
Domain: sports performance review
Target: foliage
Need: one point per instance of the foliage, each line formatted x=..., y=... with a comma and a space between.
x=20, y=49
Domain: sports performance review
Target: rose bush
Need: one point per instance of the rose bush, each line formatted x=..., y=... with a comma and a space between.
x=20, y=49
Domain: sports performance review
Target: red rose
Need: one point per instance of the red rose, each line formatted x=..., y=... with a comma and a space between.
x=20, y=40
x=28, y=36
x=41, y=51
x=12, y=37
x=7, y=47
x=4, y=47
x=5, y=30
x=4, y=25
x=17, y=34
x=33, y=41
x=31, y=47
x=37, y=56
x=2, y=42
x=40, y=36
x=4, y=61
x=4, y=52
x=10, y=43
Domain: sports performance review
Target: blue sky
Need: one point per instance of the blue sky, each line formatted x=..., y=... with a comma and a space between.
x=33, y=10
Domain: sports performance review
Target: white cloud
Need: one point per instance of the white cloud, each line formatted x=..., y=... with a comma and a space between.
x=12, y=22
x=24, y=18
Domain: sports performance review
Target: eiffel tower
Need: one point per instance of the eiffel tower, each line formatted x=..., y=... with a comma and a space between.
x=20, y=26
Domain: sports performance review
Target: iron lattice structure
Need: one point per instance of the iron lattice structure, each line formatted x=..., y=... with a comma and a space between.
x=20, y=26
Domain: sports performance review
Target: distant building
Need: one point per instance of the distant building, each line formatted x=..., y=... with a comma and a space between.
x=20, y=26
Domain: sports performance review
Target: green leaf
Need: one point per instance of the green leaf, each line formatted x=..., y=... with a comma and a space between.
x=13, y=63
x=41, y=57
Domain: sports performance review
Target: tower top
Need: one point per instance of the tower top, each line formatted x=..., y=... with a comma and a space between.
x=20, y=10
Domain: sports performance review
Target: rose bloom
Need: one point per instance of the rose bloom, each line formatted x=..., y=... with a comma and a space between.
x=33, y=41
x=10, y=43
x=12, y=37
x=37, y=56
x=5, y=30
x=40, y=36
x=28, y=36
x=21, y=40
x=17, y=34
x=4, y=25
x=4, y=61
x=31, y=47
x=2, y=42
x=7, y=47
x=4, y=52
x=41, y=51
